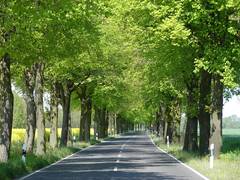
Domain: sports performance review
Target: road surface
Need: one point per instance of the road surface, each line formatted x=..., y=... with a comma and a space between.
x=131, y=156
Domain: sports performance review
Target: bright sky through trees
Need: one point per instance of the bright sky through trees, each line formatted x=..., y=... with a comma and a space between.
x=232, y=107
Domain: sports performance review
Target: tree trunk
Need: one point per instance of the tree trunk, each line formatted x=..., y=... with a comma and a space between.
x=118, y=124
x=66, y=100
x=176, y=121
x=29, y=79
x=115, y=124
x=54, y=116
x=170, y=131
x=103, y=123
x=216, y=115
x=111, y=123
x=204, y=115
x=100, y=117
x=158, y=125
x=169, y=124
x=83, y=116
x=41, y=141
x=6, y=110
x=162, y=121
x=96, y=121
x=87, y=125
x=191, y=138
x=70, y=133
x=106, y=124
x=165, y=130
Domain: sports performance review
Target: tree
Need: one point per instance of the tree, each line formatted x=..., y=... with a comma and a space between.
x=6, y=102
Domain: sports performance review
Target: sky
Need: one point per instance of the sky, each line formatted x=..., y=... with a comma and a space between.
x=232, y=107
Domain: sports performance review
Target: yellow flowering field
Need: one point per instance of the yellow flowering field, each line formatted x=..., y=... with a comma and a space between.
x=19, y=134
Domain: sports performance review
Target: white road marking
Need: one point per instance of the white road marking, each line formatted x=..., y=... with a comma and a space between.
x=117, y=161
x=76, y=171
x=115, y=169
x=119, y=155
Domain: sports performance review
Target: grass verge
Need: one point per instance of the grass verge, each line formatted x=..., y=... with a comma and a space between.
x=226, y=167
x=15, y=168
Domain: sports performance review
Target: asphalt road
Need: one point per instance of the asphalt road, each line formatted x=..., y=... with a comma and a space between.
x=132, y=156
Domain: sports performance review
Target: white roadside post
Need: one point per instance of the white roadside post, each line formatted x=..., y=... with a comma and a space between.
x=211, y=155
x=96, y=136
x=24, y=153
x=168, y=141
x=74, y=140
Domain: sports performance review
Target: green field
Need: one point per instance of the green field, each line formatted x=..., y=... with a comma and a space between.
x=231, y=132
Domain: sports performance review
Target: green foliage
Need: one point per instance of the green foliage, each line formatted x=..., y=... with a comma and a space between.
x=19, y=113
x=131, y=55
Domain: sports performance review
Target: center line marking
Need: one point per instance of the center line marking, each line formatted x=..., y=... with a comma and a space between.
x=115, y=169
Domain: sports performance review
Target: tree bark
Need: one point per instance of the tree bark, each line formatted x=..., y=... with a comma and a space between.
x=191, y=138
x=170, y=131
x=54, y=116
x=95, y=121
x=216, y=115
x=119, y=124
x=162, y=110
x=6, y=110
x=176, y=121
x=83, y=117
x=70, y=133
x=115, y=123
x=103, y=124
x=156, y=124
x=169, y=124
x=111, y=123
x=41, y=141
x=165, y=130
x=204, y=114
x=29, y=79
x=66, y=101
x=106, y=124
x=87, y=124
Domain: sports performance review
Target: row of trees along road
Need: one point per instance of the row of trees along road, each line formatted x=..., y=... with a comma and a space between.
x=192, y=54
x=124, y=62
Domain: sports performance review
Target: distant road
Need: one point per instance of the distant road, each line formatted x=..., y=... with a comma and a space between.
x=132, y=156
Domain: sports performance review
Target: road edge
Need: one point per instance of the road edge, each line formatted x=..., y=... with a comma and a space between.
x=182, y=163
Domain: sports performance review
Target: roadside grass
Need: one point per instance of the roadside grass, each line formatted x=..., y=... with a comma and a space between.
x=226, y=167
x=15, y=168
